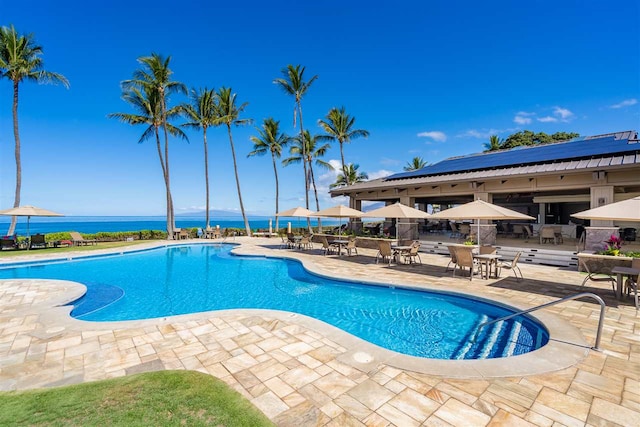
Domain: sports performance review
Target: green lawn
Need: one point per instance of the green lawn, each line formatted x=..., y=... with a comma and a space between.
x=100, y=245
x=164, y=398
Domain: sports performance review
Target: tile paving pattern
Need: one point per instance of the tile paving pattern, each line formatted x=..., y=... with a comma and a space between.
x=293, y=373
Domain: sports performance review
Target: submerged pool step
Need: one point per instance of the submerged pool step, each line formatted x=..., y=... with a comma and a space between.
x=497, y=340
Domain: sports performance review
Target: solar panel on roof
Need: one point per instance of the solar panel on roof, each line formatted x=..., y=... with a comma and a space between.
x=581, y=148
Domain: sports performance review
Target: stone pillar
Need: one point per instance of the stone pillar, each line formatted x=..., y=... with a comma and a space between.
x=407, y=228
x=488, y=233
x=356, y=223
x=596, y=237
x=600, y=196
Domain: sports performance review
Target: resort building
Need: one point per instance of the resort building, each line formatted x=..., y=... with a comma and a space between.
x=548, y=182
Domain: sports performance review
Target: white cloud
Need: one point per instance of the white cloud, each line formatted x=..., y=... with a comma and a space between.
x=379, y=174
x=625, y=103
x=564, y=114
x=521, y=120
x=483, y=133
x=435, y=135
x=547, y=119
x=389, y=162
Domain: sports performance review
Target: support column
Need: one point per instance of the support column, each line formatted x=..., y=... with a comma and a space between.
x=407, y=228
x=356, y=223
x=600, y=196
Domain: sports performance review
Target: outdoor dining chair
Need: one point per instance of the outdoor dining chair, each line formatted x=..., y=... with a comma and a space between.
x=385, y=253
x=412, y=253
x=464, y=259
x=351, y=246
x=453, y=260
x=511, y=265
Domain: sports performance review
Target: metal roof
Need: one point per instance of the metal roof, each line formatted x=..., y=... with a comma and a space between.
x=582, y=148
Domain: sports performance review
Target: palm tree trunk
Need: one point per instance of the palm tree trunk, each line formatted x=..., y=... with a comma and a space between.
x=315, y=190
x=304, y=163
x=171, y=224
x=206, y=174
x=344, y=166
x=164, y=177
x=16, y=134
x=235, y=169
x=275, y=171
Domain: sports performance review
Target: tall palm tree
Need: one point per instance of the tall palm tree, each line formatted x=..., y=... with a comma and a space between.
x=292, y=83
x=312, y=154
x=415, y=164
x=270, y=140
x=155, y=73
x=229, y=114
x=350, y=177
x=20, y=59
x=201, y=113
x=494, y=143
x=339, y=127
x=146, y=104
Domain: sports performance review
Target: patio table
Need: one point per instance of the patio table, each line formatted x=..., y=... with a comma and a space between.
x=340, y=244
x=620, y=272
x=398, y=250
x=488, y=260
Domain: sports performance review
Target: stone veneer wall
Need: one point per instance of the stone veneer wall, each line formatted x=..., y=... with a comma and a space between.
x=596, y=236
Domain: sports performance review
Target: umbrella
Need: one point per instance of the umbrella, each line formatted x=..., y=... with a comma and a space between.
x=480, y=210
x=339, y=212
x=397, y=211
x=28, y=211
x=298, y=212
x=626, y=210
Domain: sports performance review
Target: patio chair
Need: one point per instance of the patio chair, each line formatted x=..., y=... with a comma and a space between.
x=518, y=230
x=511, y=265
x=487, y=250
x=291, y=241
x=453, y=260
x=37, y=241
x=603, y=275
x=305, y=242
x=548, y=234
x=351, y=246
x=465, y=229
x=78, y=240
x=183, y=234
x=464, y=259
x=528, y=232
x=412, y=253
x=454, y=230
x=632, y=282
x=8, y=243
x=327, y=247
x=385, y=253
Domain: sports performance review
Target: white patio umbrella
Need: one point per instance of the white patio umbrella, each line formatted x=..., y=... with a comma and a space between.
x=626, y=210
x=28, y=211
x=397, y=211
x=298, y=212
x=478, y=210
x=339, y=211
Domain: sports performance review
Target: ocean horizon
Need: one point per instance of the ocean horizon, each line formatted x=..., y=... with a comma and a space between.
x=96, y=224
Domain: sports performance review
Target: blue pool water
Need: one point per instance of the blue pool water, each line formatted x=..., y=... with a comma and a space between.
x=195, y=278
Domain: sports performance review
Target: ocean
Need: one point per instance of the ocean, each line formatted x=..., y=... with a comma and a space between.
x=95, y=224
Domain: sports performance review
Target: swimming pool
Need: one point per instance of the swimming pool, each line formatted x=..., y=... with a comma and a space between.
x=195, y=278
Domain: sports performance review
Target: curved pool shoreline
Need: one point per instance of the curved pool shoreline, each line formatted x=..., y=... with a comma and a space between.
x=566, y=345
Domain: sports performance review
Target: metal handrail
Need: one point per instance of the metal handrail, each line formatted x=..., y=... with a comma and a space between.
x=571, y=297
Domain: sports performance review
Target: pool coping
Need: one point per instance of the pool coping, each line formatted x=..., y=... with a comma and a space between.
x=566, y=346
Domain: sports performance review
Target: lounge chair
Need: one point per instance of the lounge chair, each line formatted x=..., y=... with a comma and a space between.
x=37, y=241
x=464, y=259
x=78, y=240
x=385, y=253
x=8, y=243
x=512, y=265
x=412, y=253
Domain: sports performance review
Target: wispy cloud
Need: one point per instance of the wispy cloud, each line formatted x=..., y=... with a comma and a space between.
x=563, y=114
x=625, y=103
x=547, y=119
x=483, y=133
x=389, y=162
x=435, y=135
x=379, y=174
x=523, y=118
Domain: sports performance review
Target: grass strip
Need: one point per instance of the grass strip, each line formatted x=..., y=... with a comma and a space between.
x=164, y=398
x=86, y=248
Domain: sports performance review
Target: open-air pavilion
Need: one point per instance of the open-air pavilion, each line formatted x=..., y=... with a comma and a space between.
x=549, y=182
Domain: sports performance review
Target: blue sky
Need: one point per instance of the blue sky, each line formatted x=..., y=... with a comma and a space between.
x=431, y=79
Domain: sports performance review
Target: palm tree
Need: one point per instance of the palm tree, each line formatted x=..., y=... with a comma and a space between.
x=350, y=177
x=228, y=113
x=494, y=143
x=155, y=73
x=293, y=84
x=201, y=113
x=415, y=164
x=20, y=59
x=146, y=104
x=339, y=127
x=270, y=140
x=312, y=153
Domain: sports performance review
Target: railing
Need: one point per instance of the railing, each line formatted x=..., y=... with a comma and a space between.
x=569, y=298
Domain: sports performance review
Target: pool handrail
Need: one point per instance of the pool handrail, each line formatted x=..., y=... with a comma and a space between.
x=570, y=297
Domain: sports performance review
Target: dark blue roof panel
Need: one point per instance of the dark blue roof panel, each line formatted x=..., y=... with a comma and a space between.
x=574, y=149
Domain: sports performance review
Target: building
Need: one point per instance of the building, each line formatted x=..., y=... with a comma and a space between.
x=548, y=182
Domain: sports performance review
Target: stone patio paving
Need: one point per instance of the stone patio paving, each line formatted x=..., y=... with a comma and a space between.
x=299, y=373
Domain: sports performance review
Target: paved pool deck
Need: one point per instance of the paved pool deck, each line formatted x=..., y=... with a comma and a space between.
x=301, y=372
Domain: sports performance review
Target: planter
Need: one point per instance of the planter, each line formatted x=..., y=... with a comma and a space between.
x=602, y=264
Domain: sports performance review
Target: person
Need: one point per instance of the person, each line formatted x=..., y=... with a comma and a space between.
x=199, y=232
